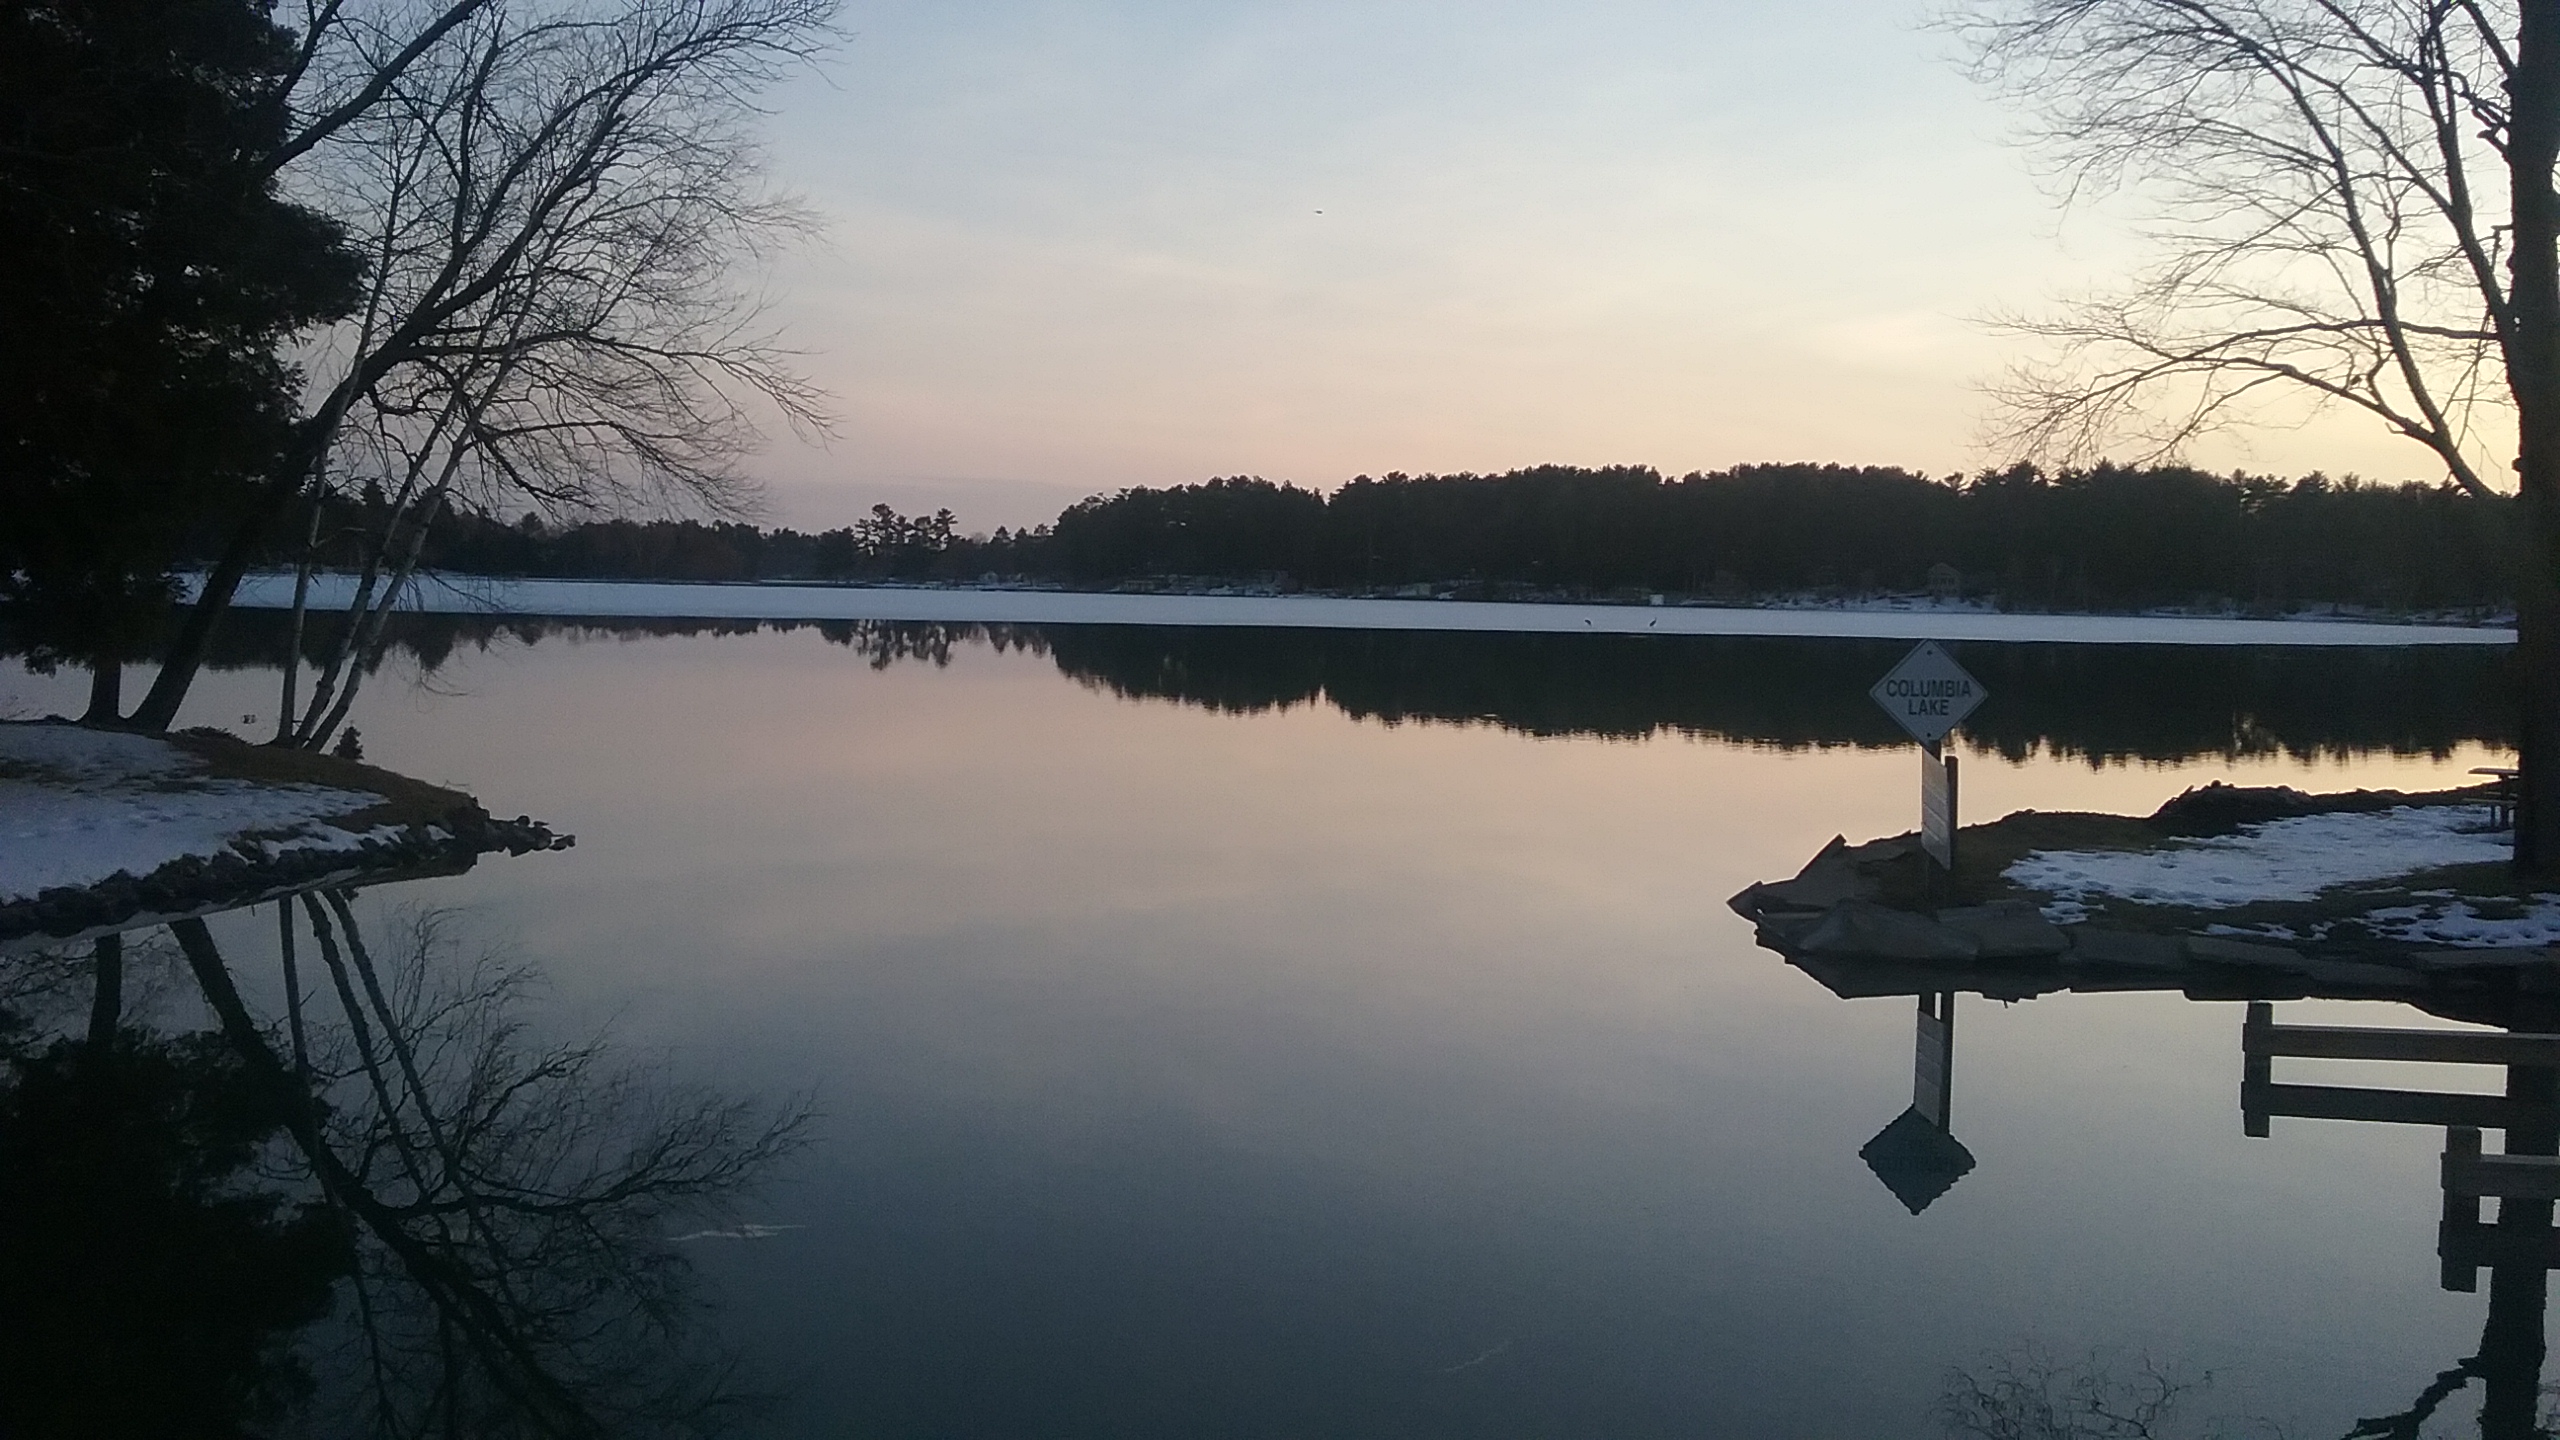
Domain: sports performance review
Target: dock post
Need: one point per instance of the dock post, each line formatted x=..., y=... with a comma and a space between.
x=2461, y=1210
x=2257, y=1068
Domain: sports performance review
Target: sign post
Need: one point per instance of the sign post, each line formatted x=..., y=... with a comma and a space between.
x=1929, y=695
x=1938, y=806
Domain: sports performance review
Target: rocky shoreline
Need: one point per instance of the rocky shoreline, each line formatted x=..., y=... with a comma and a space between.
x=1876, y=919
x=193, y=884
x=101, y=829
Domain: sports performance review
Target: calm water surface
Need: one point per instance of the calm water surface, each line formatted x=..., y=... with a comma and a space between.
x=1250, y=1035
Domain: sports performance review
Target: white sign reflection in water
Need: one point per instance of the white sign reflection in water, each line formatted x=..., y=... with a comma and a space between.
x=1929, y=694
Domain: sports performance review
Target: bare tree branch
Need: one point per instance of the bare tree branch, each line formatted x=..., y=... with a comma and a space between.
x=2317, y=170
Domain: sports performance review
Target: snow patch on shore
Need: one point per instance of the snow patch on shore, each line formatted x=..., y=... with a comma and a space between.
x=2279, y=860
x=2462, y=927
x=636, y=599
x=78, y=806
x=71, y=753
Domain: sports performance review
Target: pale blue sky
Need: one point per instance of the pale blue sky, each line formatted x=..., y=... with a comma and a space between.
x=1069, y=247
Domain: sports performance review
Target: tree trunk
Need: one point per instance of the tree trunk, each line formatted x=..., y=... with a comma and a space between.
x=324, y=680
x=293, y=633
x=186, y=653
x=292, y=990
x=2511, y=1352
x=2533, y=374
x=2511, y=1342
x=367, y=626
x=106, y=1000
x=2537, y=692
x=106, y=693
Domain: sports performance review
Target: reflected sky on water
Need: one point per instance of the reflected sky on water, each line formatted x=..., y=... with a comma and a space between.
x=1276, y=1069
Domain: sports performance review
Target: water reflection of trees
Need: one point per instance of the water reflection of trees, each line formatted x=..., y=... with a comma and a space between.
x=2113, y=702
x=391, y=1209
x=2102, y=703
x=2029, y=1394
x=153, y=1285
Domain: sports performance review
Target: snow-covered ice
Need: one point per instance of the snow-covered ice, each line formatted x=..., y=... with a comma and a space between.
x=78, y=806
x=616, y=599
x=2282, y=860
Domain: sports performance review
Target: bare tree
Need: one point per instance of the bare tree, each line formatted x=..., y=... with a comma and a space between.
x=2354, y=206
x=555, y=197
x=609, y=367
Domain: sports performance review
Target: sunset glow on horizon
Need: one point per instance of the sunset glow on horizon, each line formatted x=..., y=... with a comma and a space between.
x=1063, y=249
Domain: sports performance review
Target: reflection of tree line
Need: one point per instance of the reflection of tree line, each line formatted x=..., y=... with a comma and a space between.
x=2152, y=702
x=2101, y=702
x=388, y=1211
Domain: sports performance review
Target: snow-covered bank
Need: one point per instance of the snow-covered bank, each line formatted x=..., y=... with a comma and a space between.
x=2279, y=860
x=2303, y=860
x=603, y=599
x=78, y=806
x=97, y=827
x=2363, y=895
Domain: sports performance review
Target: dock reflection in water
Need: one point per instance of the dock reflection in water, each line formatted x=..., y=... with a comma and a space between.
x=1919, y=1159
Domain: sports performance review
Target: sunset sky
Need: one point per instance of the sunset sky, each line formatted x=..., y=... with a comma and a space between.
x=1071, y=247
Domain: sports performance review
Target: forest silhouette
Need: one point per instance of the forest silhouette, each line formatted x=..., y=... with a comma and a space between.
x=2109, y=537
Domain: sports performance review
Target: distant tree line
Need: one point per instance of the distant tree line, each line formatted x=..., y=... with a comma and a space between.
x=2109, y=537
x=883, y=545
x=2105, y=537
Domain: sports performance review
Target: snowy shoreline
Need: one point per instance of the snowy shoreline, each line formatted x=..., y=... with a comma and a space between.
x=2298, y=860
x=2259, y=893
x=617, y=599
x=79, y=805
x=100, y=827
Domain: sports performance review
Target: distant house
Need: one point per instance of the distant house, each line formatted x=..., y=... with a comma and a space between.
x=1946, y=582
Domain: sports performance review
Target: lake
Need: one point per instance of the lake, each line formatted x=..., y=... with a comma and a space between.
x=1287, y=1033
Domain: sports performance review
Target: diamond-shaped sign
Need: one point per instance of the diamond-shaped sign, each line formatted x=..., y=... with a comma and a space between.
x=1929, y=694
